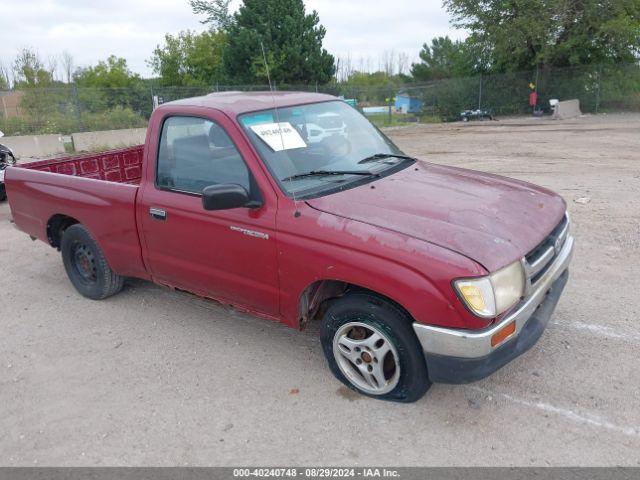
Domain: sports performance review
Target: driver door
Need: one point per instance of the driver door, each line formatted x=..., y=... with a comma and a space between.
x=229, y=255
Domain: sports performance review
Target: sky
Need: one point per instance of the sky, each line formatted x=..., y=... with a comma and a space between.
x=93, y=30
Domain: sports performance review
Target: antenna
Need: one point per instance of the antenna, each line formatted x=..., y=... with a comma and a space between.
x=266, y=66
x=275, y=109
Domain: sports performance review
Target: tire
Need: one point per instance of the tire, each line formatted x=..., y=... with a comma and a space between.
x=86, y=266
x=352, y=321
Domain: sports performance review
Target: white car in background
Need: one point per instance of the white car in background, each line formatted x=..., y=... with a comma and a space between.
x=324, y=126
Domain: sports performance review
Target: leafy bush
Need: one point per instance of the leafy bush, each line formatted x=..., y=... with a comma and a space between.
x=113, y=119
x=56, y=122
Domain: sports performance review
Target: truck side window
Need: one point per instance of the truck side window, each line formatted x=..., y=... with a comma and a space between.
x=195, y=153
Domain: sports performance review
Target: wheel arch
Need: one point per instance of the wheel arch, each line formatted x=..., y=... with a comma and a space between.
x=56, y=225
x=316, y=296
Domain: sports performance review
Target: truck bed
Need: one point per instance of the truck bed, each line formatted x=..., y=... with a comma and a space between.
x=120, y=166
x=98, y=190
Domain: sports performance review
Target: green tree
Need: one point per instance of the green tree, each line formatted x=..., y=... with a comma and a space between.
x=216, y=11
x=29, y=70
x=114, y=73
x=110, y=84
x=190, y=59
x=445, y=58
x=4, y=78
x=40, y=99
x=520, y=34
x=374, y=87
x=292, y=41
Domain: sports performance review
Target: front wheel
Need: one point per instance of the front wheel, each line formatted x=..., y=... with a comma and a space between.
x=370, y=346
x=86, y=265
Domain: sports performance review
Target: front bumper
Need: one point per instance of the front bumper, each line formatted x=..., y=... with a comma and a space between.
x=462, y=356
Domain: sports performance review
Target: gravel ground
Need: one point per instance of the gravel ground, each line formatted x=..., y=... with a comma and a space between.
x=154, y=377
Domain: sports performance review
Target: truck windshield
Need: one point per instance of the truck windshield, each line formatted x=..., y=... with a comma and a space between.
x=320, y=148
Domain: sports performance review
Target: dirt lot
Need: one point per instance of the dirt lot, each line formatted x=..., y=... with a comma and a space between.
x=153, y=377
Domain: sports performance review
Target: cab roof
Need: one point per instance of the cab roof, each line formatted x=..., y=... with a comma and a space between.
x=236, y=103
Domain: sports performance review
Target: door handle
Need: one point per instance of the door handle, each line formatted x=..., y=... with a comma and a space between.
x=158, y=213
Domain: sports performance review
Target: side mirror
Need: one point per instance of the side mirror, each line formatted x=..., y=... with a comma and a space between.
x=226, y=196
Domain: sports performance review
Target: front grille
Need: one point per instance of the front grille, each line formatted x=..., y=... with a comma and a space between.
x=538, y=261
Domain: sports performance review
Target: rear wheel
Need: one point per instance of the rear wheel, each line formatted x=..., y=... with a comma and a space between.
x=86, y=265
x=371, y=347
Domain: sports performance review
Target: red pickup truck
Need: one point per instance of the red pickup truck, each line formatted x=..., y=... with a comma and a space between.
x=293, y=207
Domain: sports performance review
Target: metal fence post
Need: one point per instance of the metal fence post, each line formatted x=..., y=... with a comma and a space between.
x=598, y=87
x=77, y=102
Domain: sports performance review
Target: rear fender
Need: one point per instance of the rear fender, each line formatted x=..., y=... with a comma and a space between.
x=105, y=208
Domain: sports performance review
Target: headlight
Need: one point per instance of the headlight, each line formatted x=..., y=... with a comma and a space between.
x=494, y=294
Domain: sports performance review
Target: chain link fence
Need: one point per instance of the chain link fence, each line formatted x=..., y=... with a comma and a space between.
x=67, y=109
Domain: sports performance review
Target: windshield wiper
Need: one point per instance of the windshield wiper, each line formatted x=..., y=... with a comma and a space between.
x=380, y=156
x=314, y=173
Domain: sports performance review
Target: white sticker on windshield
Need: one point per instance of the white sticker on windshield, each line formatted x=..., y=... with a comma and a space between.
x=279, y=136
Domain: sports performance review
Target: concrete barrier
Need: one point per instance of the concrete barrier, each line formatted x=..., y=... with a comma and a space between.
x=108, y=139
x=567, y=109
x=34, y=146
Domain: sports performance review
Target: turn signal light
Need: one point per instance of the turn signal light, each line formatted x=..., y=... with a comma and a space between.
x=504, y=333
x=473, y=296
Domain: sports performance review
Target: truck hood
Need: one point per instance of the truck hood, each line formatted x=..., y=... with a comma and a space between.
x=491, y=219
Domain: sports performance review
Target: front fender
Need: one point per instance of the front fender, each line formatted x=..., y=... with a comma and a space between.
x=415, y=274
